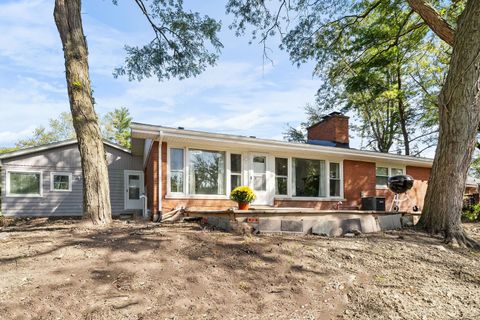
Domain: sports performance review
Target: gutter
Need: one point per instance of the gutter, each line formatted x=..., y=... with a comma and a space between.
x=143, y=130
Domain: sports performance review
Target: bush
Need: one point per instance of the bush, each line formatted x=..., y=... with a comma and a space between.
x=242, y=194
x=471, y=213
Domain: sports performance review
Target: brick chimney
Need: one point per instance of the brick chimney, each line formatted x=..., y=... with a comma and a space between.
x=332, y=130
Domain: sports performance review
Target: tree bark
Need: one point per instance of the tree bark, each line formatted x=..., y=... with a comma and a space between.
x=459, y=110
x=434, y=20
x=96, y=191
x=401, y=112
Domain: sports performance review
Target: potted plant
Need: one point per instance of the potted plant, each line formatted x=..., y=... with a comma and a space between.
x=243, y=196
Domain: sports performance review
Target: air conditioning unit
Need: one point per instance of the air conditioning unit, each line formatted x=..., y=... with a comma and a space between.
x=373, y=203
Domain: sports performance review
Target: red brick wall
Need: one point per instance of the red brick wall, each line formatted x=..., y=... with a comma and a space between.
x=334, y=128
x=471, y=190
x=421, y=176
x=151, y=179
x=197, y=204
x=416, y=194
x=419, y=173
x=358, y=177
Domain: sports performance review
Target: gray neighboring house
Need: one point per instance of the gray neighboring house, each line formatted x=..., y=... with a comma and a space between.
x=47, y=180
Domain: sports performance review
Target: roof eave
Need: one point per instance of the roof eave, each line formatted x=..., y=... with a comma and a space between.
x=152, y=131
x=54, y=145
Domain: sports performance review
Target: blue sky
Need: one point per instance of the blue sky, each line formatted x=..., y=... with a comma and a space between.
x=240, y=95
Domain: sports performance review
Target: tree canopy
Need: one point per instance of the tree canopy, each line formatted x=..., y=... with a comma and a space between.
x=184, y=43
x=377, y=60
x=115, y=126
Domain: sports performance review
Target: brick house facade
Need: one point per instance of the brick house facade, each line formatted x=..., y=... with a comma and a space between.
x=197, y=170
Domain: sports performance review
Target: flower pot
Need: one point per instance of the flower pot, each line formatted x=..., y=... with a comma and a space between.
x=243, y=205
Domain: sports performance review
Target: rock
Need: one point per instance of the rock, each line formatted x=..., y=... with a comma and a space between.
x=441, y=248
x=454, y=243
x=349, y=235
x=243, y=228
x=356, y=232
x=407, y=221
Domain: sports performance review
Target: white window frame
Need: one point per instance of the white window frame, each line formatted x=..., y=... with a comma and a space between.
x=327, y=180
x=187, y=180
x=52, y=185
x=339, y=179
x=389, y=173
x=401, y=168
x=245, y=174
x=169, y=175
x=186, y=171
x=14, y=195
x=282, y=176
x=229, y=170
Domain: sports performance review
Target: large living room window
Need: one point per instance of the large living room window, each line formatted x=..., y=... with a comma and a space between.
x=24, y=184
x=308, y=178
x=176, y=170
x=207, y=172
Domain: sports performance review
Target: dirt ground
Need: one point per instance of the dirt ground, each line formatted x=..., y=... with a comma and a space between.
x=65, y=270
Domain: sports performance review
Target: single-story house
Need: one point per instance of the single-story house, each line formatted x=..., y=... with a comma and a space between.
x=197, y=170
x=175, y=168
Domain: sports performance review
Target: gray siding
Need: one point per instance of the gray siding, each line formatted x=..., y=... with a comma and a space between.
x=64, y=159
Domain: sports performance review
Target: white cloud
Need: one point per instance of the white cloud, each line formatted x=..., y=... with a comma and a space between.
x=231, y=97
x=6, y=137
x=236, y=96
x=30, y=40
x=27, y=105
x=29, y=37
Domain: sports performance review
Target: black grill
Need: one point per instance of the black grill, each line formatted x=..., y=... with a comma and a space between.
x=400, y=184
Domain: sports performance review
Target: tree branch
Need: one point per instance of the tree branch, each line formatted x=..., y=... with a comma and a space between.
x=434, y=20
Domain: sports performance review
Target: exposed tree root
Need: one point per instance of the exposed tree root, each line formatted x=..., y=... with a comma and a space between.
x=459, y=237
x=462, y=239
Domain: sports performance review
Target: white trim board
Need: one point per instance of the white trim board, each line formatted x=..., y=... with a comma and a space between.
x=189, y=137
x=54, y=145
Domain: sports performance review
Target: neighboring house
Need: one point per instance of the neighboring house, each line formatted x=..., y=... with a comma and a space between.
x=47, y=180
x=472, y=185
x=199, y=169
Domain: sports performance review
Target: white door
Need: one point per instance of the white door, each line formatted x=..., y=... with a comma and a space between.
x=134, y=188
x=259, y=178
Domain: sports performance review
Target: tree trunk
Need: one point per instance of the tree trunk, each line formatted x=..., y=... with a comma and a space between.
x=459, y=105
x=401, y=111
x=96, y=192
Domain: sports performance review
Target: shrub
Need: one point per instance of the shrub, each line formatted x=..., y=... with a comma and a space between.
x=471, y=213
x=242, y=194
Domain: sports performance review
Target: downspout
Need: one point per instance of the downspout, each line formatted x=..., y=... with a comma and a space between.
x=160, y=180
